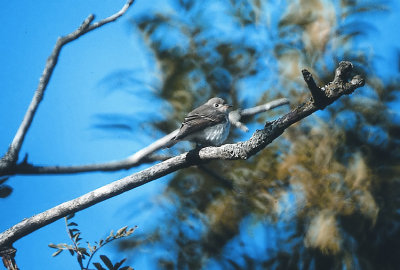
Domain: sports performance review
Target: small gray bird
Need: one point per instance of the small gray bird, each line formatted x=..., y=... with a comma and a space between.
x=206, y=125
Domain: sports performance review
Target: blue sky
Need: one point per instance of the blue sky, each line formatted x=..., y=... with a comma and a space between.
x=61, y=132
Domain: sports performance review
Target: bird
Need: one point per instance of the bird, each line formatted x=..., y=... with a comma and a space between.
x=207, y=125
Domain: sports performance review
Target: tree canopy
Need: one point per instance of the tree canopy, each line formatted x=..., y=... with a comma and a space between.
x=323, y=196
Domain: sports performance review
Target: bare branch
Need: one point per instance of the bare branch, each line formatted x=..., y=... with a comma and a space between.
x=11, y=157
x=112, y=17
x=324, y=96
x=25, y=168
x=235, y=116
x=264, y=107
x=157, y=145
x=144, y=155
x=241, y=150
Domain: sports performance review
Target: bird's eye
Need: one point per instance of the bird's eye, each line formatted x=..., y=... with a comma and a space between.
x=216, y=105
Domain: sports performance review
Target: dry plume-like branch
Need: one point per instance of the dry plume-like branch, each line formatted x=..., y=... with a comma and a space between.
x=241, y=150
x=11, y=157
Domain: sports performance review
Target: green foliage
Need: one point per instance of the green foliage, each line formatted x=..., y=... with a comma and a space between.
x=88, y=253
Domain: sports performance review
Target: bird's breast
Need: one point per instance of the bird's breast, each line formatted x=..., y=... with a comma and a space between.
x=217, y=134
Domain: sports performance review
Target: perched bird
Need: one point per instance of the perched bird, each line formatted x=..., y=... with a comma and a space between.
x=206, y=125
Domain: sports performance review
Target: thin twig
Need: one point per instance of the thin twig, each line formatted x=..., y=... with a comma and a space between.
x=236, y=116
x=11, y=157
x=26, y=168
x=264, y=107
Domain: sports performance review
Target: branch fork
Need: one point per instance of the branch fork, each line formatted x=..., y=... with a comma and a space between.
x=326, y=95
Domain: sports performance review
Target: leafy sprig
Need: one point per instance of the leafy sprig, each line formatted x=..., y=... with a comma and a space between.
x=86, y=254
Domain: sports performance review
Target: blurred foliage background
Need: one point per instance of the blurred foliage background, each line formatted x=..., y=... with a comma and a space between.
x=326, y=194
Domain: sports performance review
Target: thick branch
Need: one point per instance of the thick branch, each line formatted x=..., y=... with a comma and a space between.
x=11, y=157
x=144, y=155
x=241, y=150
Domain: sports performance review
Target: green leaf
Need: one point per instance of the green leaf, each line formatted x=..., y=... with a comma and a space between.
x=53, y=245
x=83, y=251
x=59, y=246
x=126, y=268
x=121, y=231
x=57, y=252
x=98, y=266
x=107, y=262
x=76, y=237
x=72, y=224
x=65, y=246
x=90, y=247
x=117, y=265
x=72, y=251
x=131, y=230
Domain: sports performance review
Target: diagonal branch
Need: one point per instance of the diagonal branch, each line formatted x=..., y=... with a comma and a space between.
x=145, y=155
x=11, y=157
x=241, y=150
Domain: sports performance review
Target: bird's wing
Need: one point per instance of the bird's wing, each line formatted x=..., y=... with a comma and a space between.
x=195, y=122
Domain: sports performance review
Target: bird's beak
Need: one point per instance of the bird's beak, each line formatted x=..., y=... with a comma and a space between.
x=226, y=107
